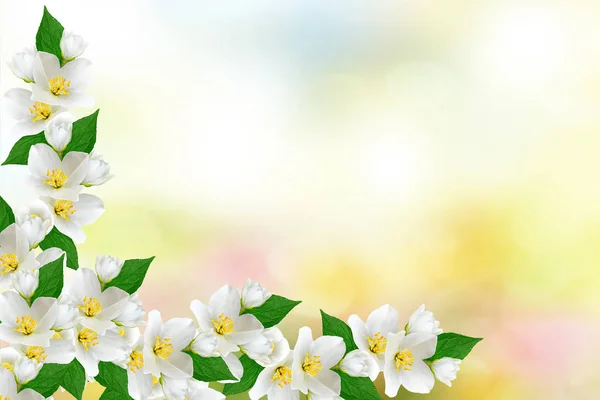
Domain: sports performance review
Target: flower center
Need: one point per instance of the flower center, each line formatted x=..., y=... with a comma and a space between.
x=404, y=360
x=136, y=361
x=312, y=365
x=4, y=398
x=8, y=366
x=56, y=178
x=163, y=348
x=36, y=353
x=377, y=343
x=155, y=380
x=56, y=336
x=224, y=325
x=64, y=209
x=87, y=338
x=59, y=85
x=25, y=325
x=282, y=375
x=90, y=307
x=9, y=262
x=40, y=111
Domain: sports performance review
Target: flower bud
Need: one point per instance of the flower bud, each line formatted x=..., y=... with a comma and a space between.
x=359, y=363
x=26, y=370
x=132, y=313
x=423, y=321
x=269, y=348
x=35, y=222
x=254, y=295
x=206, y=344
x=108, y=268
x=26, y=282
x=72, y=46
x=98, y=171
x=445, y=369
x=22, y=64
x=59, y=130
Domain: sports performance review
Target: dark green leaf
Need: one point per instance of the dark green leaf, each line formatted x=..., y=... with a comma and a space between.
x=57, y=239
x=273, y=311
x=7, y=217
x=48, y=380
x=49, y=35
x=74, y=379
x=51, y=279
x=84, y=134
x=210, y=369
x=110, y=394
x=19, y=154
x=132, y=275
x=333, y=326
x=113, y=377
x=251, y=371
x=357, y=388
x=454, y=345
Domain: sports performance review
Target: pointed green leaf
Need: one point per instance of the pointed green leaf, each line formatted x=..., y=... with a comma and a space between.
x=49, y=35
x=84, y=134
x=132, y=275
x=113, y=377
x=333, y=326
x=7, y=217
x=273, y=311
x=51, y=279
x=110, y=394
x=454, y=345
x=48, y=380
x=57, y=239
x=74, y=379
x=251, y=371
x=357, y=388
x=19, y=154
x=210, y=369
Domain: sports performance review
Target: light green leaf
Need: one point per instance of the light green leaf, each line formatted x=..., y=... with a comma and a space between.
x=7, y=217
x=251, y=371
x=210, y=369
x=51, y=279
x=19, y=154
x=57, y=239
x=49, y=35
x=48, y=380
x=357, y=388
x=84, y=134
x=333, y=326
x=454, y=345
x=74, y=379
x=113, y=377
x=132, y=275
x=273, y=311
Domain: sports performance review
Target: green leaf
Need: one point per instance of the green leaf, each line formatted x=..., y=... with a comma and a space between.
x=251, y=371
x=49, y=35
x=19, y=154
x=49, y=379
x=273, y=311
x=84, y=134
x=113, y=377
x=453, y=345
x=357, y=388
x=57, y=239
x=333, y=326
x=74, y=379
x=51, y=279
x=110, y=394
x=7, y=217
x=210, y=369
x=132, y=275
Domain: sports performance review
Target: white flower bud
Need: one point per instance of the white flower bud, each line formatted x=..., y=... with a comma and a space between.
x=359, y=363
x=132, y=313
x=108, y=268
x=98, y=171
x=206, y=344
x=423, y=321
x=26, y=370
x=26, y=282
x=35, y=222
x=254, y=295
x=269, y=348
x=67, y=314
x=72, y=46
x=22, y=64
x=59, y=131
x=445, y=369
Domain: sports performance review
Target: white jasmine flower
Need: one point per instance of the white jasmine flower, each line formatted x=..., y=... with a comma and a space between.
x=269, y=348
x=97, y=308
x=404, y=365
x=311, y=368
x=139, y=384
x=67, y=314
x=22, y=368
x=22, y=64
x=132, y=313
x=197, y=390
x=91, y=347
x=222, y=315
x=206, y=344
x=423, y=321
x=26, y=282
x=31, y=116
x=26, y=325
x=445, y=369
x=72, y=46
x=254, y=295
x=56, y=178
x=274, y=382
x=15, y=255
x=372, y=335
x=108, y=268
x=163, y=345
x=35, y=221
x=61, y=86
x=98, y=171
x=60, y=351
x=360, y=363
x=70, y=216
x=59, y=131
x=8, y=388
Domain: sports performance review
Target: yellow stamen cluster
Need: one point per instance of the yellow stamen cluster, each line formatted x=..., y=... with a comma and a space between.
x=36, y=353
x=377, y=343
x=88, y=338
x=9, y=262
x=40, y=111
x=25, y=325
x=404, y=360
x=312, y=365
x=163, y=348
x=56, y=178
x=64, y=209
x=136, y=361
x=4, y=398
x=90, y=307
x=282, y=375
x=121, y=332
x=155, y=380
x=224, y=325
x=59, y=85
x=8, y=366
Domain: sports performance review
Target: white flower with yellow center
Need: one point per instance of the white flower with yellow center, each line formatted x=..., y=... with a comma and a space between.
x=91, y=347
x=8, y=388
x=56, y=178
x=24, y=324
x=97, y=308
x=61, y=86
x=404, y=365
x=15, y=255
x=72, y=46
x=359, y=363
x=222, y=316
x=269, y=348
x=35, y=221
x=163, y=345
x=23, y=368
x=423, y=321
x=60, y=351
x=22, y=64
x=372, y=335
x=71, y=216
x=139, y=383
x=31, y=116
x=313, y=360
x=275, y=382
x=59, y=131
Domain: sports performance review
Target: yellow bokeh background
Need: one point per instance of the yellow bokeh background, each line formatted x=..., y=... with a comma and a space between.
x=356, y=153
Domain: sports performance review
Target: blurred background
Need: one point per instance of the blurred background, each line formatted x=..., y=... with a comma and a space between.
x=356, y=153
